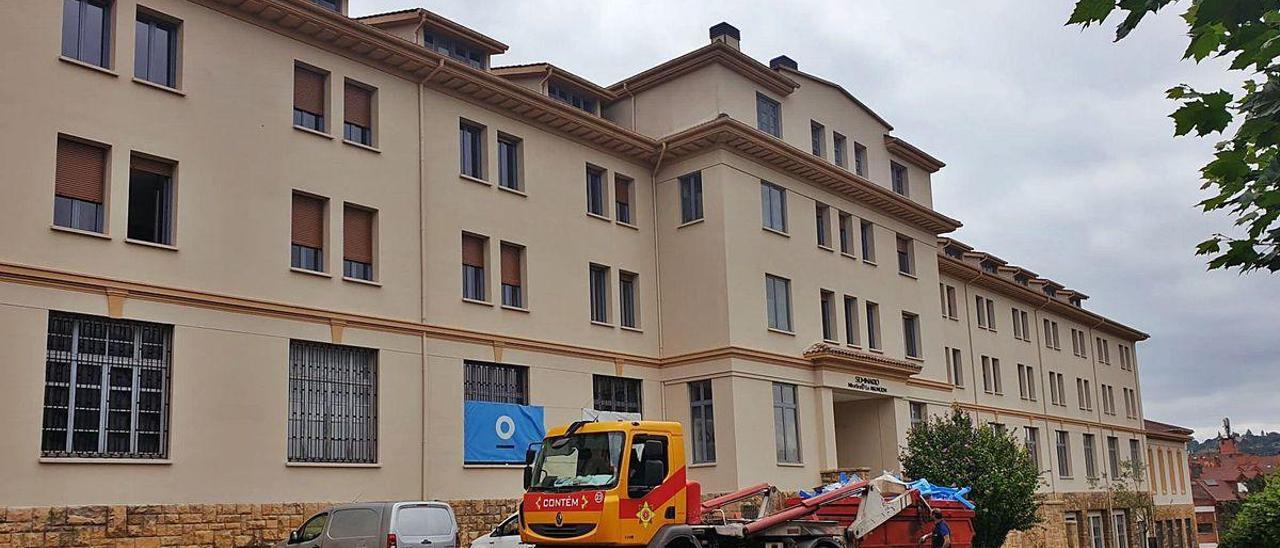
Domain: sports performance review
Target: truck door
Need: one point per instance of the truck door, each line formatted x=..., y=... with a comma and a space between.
x=653, y=491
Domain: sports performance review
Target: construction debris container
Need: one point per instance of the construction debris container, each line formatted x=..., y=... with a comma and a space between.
x=905, y=529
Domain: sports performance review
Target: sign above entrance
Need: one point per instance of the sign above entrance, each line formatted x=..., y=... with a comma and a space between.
x=868, y=384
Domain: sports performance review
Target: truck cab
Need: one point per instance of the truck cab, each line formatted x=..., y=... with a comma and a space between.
x=618, y=483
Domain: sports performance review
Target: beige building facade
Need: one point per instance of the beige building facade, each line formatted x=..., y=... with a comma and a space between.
x=268, y=253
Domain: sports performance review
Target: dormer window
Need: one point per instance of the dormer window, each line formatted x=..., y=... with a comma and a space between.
x=1022, y=279
x=335, y=5
x=571, y=97
x=1075, y=301
x=453, y=48
x=1050, y=291
x=989, y=267
x=954, y=252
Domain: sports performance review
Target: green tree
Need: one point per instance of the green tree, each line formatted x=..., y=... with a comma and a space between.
x=950, y=450
x=1125, y=492
x=1245, y=171
x=1257, y=524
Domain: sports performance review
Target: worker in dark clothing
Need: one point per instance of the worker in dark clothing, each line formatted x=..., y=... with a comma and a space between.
x=941, y=535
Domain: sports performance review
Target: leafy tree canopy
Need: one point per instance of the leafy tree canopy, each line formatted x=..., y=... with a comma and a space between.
x=952, y=451
x=1257, y=524
x=1245, y=172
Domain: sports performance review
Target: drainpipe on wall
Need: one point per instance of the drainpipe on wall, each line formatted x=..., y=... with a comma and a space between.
x=422, y=302
x=653, y=207
x=543, y=83
x=1044, y=402
x=632, y=96
x=417, y=31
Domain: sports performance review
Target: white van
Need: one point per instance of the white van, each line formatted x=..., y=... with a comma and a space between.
x=378, y=524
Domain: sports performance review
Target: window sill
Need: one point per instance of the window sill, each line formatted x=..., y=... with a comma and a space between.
x=90, y=66
x=79, y=232
x=602, y=324
x=313, y=132
x=702, y=464
x=91, y=460
x=474, y=179
x=515, y=308
x=908, y=275
x=952, y=318
x=160, y=87
x=845, y=254
x=373, y=283
x=288, y=464
x=511, y=466
x=870, y=262
x=782, y=331
x=691, y=223
x=854, y=346
x=479, y=302
x=310, y=272
x=876, y=350
x=627, y=225
x=775, y=231
x=599, y=217
x=145, y=243
x=515, y=191
x=631, y=329
x=361, y=146
x=915, y=359
x=831, y=341
x=791, y=464
x=826, y=248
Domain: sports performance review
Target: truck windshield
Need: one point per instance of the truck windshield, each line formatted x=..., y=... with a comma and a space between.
x=580, y=460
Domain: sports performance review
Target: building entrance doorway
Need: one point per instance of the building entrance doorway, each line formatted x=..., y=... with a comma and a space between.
x=867, y=433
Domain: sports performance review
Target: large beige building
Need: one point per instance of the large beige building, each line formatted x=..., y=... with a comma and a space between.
x=267, y=252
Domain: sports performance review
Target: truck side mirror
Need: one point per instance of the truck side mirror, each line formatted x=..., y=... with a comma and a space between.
x=528, y=476
x=293, y=537
x=529, y=455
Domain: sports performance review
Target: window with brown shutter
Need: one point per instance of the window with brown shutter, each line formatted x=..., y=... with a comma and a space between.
x=473, y=275
x=308, y=232
x=512, y=275
x=358, y=113
x=79, y=185
x=308, y=98
x=622, y=198
x=357, y=242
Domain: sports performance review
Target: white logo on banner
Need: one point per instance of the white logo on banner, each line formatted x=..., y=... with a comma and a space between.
x=504, y=427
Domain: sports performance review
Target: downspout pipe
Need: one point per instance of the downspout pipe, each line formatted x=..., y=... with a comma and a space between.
x=657, y=248
x=422, y=300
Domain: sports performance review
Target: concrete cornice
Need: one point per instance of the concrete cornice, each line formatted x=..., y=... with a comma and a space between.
x=826, y=355
x=715, y=52
x=953, y=267
x=728, y=133
x=910, y=153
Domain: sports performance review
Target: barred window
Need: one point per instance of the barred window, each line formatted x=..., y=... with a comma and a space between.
x=106, y=388
x=333, y=403
x=618, y=394
x=495, y=382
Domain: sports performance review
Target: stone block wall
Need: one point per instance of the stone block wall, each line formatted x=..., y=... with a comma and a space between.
x=477, y=518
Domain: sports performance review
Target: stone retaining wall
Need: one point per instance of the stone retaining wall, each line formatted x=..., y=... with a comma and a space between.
x=217, y=525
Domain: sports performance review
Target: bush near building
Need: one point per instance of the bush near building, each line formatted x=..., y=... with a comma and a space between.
x=1257, y=524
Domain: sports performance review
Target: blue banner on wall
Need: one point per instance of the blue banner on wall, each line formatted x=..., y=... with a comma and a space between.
x=499, y=432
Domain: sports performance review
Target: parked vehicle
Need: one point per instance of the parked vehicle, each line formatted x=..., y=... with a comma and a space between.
x=377, y=525
x=505, y=535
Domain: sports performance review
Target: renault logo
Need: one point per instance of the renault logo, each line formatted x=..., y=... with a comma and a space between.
x=559, y=519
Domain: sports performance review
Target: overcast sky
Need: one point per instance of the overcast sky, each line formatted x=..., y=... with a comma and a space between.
x=1060, y=155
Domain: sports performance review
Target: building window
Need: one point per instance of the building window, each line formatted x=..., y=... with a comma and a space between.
x=785, y=422
x=1026, y=382
x=828, y=305
x=778, y=301
x=308, y=232
x=991, y=382
x=818, y=137
x=1113, y=456
x=1051, y=335
x=595, y=191
x=822, y=217
x=868, y=241
x=691, y=197
x=986, y=312
x=840, y=149
x=950, y=307
x=330, y=4
x=1084, y=394
x=155, y=54
x=79, y=185
x=1135, y=453
x=454, y=48
x=495, y=382
x=1060, y=390
x=627, y=309
x=474, y=282
x=1079, y=343
x=860, y=159
x=617, y=394
x=599, y=293
x=1096, y=537
x=906, y=256
x=702, y=422
x=1032, y=436
x=917, y=411
x=571, y=97
x=623, y=196
x=86, y=31
x=357, y=112
x=1064, y=454
x=106, y=391
x=357, y=242
x=471, y=150
x=309, y=97
x=150, y=201
x=773, y=206
x=1120, y=529
x=911, y=334
x=1090, y=457
x=1021, y=325
x=873, y=326
x=955, y=366
x=768, y=115
x=851, y=320
x=899, y=174
x=509, y=163
x=333, y=403
x=512, y=257
x=846, y=233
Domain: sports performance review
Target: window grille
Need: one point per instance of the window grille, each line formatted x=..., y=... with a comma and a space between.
x=333, y=403
x=495, y=382
x=618, y=394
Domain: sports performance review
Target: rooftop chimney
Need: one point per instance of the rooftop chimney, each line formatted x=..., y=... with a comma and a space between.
x=724, y=32
x=783, y=61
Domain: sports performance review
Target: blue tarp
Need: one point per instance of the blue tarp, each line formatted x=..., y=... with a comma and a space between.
x=499, y=433
x=927, y=490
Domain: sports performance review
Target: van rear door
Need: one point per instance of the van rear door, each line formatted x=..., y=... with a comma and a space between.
x=354, y=527
x=416, y=525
